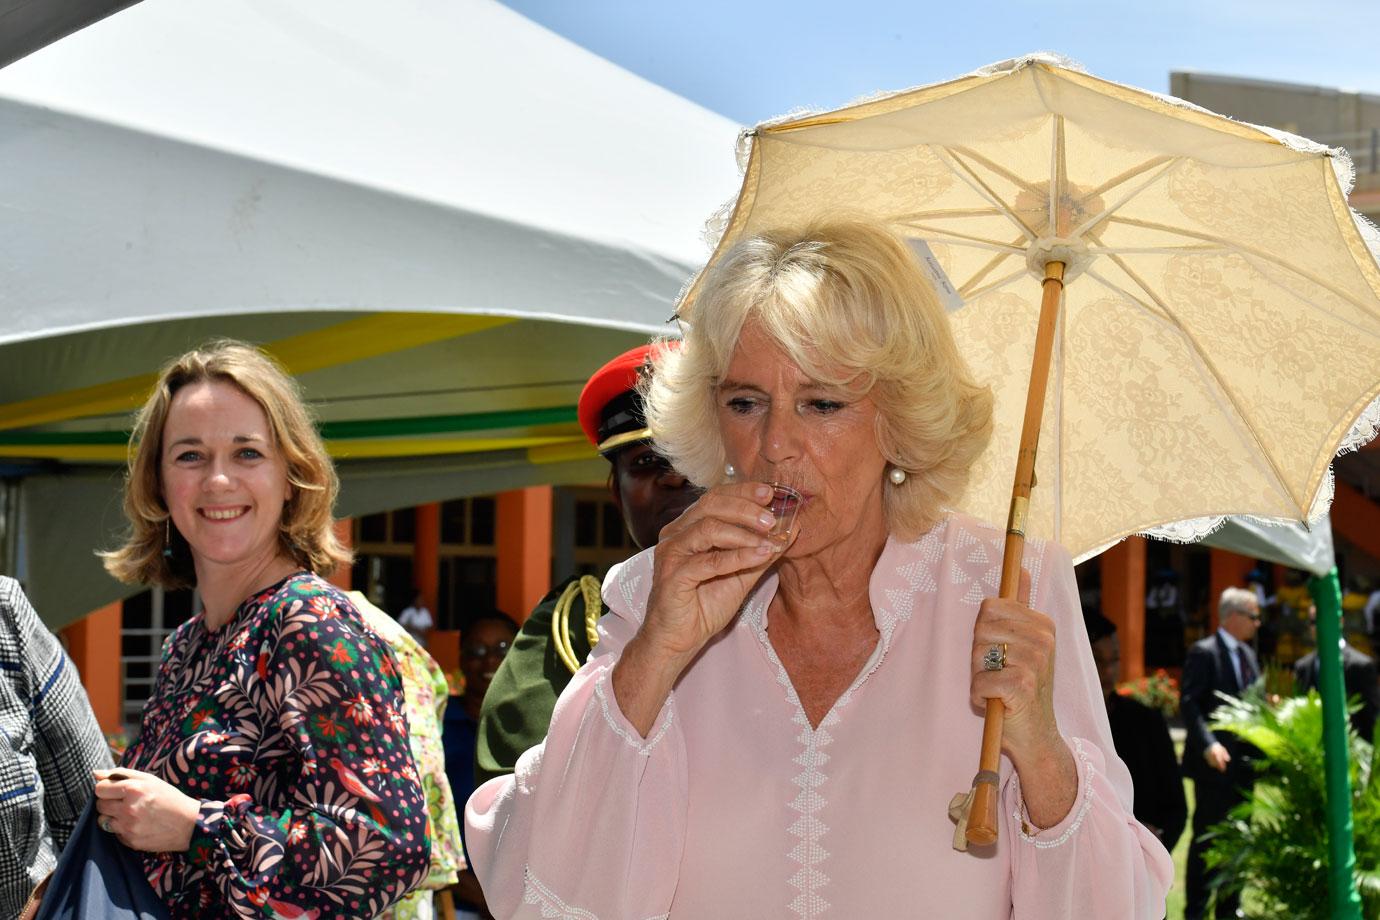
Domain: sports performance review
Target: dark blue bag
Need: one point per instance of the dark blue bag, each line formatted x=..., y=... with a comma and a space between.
x=98, y=878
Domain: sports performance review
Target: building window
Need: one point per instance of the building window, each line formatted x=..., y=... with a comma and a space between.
x=384, y=550
x=483, y=513
x=147, y=621
x=600, y=539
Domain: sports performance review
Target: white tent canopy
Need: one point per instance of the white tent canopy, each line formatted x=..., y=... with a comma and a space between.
x=439, y=215
x=1299, y=546
x=437, y=155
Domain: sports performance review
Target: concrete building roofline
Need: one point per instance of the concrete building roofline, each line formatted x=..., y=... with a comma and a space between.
x=1227, y=80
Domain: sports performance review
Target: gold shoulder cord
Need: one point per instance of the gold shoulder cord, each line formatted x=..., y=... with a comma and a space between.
x=587, y=586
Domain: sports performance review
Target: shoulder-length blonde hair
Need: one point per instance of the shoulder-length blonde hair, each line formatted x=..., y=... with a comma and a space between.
x=847, y=301
x=306, y=533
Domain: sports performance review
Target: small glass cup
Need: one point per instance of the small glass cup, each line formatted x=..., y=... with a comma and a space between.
x=785, y=505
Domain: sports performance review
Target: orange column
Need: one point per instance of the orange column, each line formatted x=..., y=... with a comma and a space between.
x=1123, y=601
x=444, y=647
x=1357, y=518
x=94, y=644
x=345, y=533
x=523, y=540
x=1227, y=570
x=426, y=555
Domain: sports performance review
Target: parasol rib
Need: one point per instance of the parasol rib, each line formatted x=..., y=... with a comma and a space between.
x=1248, y=250
x=961, y=239
x=1127, y=176
x=950, y=212
x=994, y=166
x=1262, y=265
x=1202, y=355
x=1058, y=169
x=1228, y=411
x=965, y=173
x=968, y=295
x=1196, y=249
x=1295, y=295
x=982, y=272
x=1058, y=175
x=1132, y=298
x=1125, y=199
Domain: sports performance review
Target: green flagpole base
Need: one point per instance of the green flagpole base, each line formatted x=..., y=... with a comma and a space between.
x=1344, y=899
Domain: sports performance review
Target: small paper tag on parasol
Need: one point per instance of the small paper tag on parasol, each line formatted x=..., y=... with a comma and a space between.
x=948, y=294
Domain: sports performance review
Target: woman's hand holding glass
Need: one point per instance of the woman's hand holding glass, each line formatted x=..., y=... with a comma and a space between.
x=706, y=563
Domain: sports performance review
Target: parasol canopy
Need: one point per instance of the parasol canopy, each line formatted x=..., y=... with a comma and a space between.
x=1219, y=338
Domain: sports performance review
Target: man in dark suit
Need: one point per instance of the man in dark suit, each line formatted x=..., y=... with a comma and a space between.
x=1359, y=673
x=1217, y=762
x=1141, y=738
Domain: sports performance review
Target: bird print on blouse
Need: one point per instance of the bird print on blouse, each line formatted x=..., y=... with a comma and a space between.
x=288, y=724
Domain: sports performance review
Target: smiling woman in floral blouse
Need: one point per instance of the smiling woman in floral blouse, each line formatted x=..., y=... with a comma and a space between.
x=272, y=776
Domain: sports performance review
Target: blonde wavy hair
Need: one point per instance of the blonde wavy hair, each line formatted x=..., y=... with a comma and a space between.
x=305, y=534
x=847, y=301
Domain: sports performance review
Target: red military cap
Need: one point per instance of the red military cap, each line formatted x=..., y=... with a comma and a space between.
x=610, y=408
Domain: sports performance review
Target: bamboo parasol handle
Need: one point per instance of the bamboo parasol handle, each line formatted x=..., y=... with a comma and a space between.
x=982, y=816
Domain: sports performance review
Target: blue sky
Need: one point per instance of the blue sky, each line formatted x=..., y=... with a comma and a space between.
x=752, y=61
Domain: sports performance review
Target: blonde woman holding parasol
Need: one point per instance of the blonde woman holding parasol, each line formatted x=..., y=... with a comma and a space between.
x=769, y=724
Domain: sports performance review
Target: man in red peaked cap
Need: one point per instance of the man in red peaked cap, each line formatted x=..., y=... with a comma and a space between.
x=557, y=637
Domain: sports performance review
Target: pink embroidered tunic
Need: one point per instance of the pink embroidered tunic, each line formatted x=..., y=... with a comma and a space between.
x=733, y=806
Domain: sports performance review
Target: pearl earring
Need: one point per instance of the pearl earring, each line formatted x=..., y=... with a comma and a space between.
x=729, y=470
x=896, y=475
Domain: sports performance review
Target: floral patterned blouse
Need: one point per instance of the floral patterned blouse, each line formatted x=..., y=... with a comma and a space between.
x=288, y=724
x=425, y=691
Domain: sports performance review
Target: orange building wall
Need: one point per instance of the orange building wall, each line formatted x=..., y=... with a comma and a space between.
x=1357, y=518
x=345, y=533
x=523, y=542
x=444, y=646
x=426, y=554
x=1123, y=601
x=93, y=642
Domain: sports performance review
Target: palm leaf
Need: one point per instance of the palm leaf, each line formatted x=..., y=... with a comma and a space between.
x=1275, y=843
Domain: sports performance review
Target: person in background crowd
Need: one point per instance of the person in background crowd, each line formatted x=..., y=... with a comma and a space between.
x=425, y=691
x=1141, y=737
x=557, y=636
x=49, y=746
x=1371, y=613
x=1164, y=619
x=1358, y=672
x=417, y=619
x=1255, y=582
x=1217, y=762
x=273, y=774
x=483, y=647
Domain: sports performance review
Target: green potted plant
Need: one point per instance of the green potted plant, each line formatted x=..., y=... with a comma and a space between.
x=1274, y=845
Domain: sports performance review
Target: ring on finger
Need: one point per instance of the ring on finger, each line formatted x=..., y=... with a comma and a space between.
x=995, y=658
x=107, y=824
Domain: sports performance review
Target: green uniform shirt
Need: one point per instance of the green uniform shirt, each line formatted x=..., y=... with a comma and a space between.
x=517, y=708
